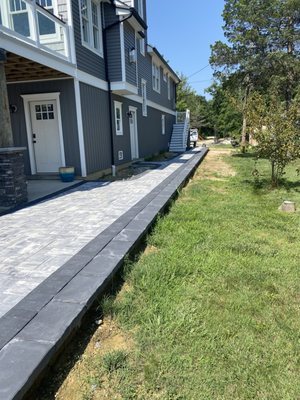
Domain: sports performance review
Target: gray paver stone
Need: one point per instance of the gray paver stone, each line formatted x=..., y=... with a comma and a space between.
x=53, y=322
x=20, y=363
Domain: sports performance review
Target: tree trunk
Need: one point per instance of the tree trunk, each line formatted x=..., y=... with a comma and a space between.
x=289, y=75
x=244, y=129
x=274, y=177
x=6, y=136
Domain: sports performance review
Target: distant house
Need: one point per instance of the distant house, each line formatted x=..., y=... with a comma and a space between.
x=85, y=87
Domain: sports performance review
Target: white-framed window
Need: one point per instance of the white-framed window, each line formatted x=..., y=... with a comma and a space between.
x=91, y=30
x=169, y=87
x=163, y=124
x=144, y=97
x=155, y=77
x=141, y=8
x=142, y=45
x=19, y=19
x=165, y=76
x=47, y=27
x=118, y=118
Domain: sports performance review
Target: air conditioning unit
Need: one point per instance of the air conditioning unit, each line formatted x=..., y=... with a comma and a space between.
x=132, y=56
x=120, y=155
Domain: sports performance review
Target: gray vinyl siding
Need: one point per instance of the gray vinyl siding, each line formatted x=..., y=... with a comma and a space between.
x=96, y=128
x=87, y=60
x=129, y=44
x=145, y=72
x=150, y=137
x=150, y=131
x=122, y=142
x=114, y=47
x=68, y=115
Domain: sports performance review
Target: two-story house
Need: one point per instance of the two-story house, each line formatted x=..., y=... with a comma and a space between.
x=85, y=87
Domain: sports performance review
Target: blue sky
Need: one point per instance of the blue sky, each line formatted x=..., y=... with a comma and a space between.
x=183, y=31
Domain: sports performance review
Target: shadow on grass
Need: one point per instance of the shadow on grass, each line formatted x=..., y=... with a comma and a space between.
x=245, y=155
x=264, y=185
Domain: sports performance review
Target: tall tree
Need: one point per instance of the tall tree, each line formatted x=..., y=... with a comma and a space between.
x=187, y=98
x=262, y=49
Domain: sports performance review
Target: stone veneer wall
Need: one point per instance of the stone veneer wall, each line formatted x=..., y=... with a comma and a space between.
x=13, y=185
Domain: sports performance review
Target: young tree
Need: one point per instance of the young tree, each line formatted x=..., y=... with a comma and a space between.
x=276, y=130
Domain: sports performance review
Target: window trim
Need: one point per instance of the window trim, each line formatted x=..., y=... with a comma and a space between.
x=169, y=86
x=156, y=77
x=163, y=124
x=140, y=8
x=144, y=98
x=90, y=45
x=118, y=105
x=142, y=44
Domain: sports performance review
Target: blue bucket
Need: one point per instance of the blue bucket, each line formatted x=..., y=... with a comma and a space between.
x=67, y=174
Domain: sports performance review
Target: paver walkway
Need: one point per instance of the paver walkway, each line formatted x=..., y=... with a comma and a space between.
x=36, y=241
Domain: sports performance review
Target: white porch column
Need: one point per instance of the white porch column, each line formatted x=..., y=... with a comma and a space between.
x=80, y=128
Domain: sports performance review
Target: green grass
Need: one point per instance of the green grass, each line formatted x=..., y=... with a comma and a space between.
x=214, y=308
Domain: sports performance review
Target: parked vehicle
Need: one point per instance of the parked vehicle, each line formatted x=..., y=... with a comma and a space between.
x=193, y=137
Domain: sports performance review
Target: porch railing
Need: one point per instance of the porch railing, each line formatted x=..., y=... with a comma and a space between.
x=28, y=21
x=184, y=118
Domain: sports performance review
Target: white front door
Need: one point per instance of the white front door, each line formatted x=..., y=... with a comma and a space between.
x=133, y=133
x=45, y=135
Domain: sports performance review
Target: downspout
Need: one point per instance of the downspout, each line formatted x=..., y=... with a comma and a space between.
x=113, y=166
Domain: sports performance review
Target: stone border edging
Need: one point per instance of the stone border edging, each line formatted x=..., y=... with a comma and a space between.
x=33, y=332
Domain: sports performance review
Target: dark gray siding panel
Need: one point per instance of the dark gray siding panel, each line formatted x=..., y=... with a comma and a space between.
x=87, y=61
x=150, y=132
x=129, y=44
x=114, y=47
x=150, y=137
x=122, y=142
x=96, y=127
x=68, y=114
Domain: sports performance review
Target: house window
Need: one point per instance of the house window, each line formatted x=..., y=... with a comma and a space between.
x=163, y=124
x=46, y=26
x=144, y=97
x=91, y=24
x=156, y=77
x=20, y=21
x=141, y=8
x=118, y=118
x=19, y=17
x=165, y=76
x=169, y=88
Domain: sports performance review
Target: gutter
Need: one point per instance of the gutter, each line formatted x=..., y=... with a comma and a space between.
x=118, y=22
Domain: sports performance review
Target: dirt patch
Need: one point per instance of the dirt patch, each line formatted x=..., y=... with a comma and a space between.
x=215, y=167
x=78, y=383
x=150, y=249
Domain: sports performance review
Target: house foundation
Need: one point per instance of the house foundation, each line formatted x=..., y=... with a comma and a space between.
x=13, y=185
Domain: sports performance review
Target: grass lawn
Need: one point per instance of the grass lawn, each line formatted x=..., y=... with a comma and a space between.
x=211, y=310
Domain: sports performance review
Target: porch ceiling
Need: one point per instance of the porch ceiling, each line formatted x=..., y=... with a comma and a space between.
x=18, y=68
